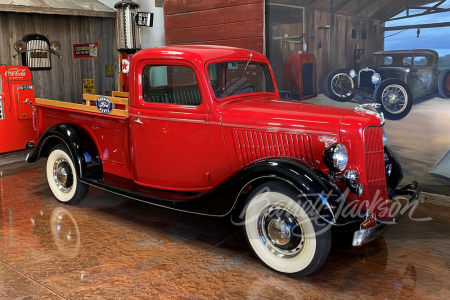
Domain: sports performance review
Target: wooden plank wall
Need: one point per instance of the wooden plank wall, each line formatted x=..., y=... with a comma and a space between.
x=337, y=42
x=64, y=81
x=235, y=23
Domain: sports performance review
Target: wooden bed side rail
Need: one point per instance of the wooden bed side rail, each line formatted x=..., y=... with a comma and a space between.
x=87, y=106
x=120, y=94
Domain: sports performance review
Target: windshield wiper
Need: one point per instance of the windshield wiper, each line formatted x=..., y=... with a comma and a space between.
x=246, y=66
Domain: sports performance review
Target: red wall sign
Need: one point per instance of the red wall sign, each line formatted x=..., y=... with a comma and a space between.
x=86, y=50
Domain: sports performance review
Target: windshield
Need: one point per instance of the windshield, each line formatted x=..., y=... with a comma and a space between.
x=232, y=78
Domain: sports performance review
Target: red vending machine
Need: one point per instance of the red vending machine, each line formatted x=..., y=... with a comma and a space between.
x=16, y=109
x=300, y=76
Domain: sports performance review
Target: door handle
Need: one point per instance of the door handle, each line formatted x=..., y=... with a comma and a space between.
x=26, y=101
x=138, y=121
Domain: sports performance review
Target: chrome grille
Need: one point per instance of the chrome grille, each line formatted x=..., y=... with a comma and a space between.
x=38, y=55
x=375, y=169
x=252, y=145
x=365, y=79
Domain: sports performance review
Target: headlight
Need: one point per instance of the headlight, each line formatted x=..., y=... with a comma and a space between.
x=20, y=46
x=335, y=157
x=376, y=78
x=352, y=74
x=55, y=46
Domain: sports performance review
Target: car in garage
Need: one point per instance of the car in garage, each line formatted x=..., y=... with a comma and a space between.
x=399, y=77
x=203, y=131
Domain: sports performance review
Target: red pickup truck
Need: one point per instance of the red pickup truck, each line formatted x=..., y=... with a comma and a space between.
x=203, y=131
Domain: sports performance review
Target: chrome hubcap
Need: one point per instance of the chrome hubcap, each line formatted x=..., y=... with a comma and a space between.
x=394, y=99
x=62, y=174
x=281, y=232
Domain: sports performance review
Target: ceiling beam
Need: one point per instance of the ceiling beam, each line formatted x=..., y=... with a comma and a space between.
x=311, y=2
x=362, y=7
x=399, y=8
x=420, y=14
x=341, y=5
x=436, y=5
x=403, y=27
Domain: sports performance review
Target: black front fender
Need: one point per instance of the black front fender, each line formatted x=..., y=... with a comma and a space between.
x=228, y=196
x=82, y=148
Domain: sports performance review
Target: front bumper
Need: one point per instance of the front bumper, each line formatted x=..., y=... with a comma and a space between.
x=364, y=236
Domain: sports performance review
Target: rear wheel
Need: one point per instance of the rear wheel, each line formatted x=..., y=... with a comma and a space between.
x=282, y=234
x=444, y=83
x=62, y=177
x=339, y=85
x=395, y=98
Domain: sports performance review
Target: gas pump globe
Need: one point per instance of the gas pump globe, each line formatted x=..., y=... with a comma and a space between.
x=128, y=37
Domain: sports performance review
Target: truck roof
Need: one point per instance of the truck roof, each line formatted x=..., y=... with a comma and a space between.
x=199, y=53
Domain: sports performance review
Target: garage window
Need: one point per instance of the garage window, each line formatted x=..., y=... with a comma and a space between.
x=171, y=85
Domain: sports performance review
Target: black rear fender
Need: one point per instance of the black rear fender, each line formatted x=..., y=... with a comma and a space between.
x=81, y=146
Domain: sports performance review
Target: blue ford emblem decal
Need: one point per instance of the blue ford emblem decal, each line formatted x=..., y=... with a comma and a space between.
x=105, y=105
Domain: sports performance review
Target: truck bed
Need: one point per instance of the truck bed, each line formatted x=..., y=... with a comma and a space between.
x=109, y=131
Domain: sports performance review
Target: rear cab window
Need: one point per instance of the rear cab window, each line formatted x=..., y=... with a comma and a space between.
x=171, y=84
x=407, y=61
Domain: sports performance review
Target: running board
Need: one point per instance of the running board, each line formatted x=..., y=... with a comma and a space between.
x=128, y=188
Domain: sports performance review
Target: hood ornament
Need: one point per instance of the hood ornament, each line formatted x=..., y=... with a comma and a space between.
x=371, y=109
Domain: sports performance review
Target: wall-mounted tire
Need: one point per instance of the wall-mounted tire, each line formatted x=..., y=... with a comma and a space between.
x=282, y=231
x=395, y=97
x=339, y=85
x=62, y=177
x=444, y=84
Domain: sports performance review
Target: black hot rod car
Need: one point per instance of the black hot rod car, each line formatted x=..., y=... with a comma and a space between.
x=399, y=77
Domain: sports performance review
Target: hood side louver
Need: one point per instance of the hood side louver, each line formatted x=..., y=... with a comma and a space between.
x=253, y=145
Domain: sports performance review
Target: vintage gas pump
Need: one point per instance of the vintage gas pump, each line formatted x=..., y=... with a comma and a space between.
x=128, y=19
x=16, y=109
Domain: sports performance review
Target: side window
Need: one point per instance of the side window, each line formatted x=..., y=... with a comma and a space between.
x=171, y=84
x=407, y=61
x=420, y=61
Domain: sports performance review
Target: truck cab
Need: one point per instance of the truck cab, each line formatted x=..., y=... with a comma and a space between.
x=203, y=131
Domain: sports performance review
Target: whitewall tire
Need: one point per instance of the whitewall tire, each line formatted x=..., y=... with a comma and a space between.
x=62, y=177
x=283, y=231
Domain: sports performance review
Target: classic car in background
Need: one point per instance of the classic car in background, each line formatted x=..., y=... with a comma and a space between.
x=399, y=77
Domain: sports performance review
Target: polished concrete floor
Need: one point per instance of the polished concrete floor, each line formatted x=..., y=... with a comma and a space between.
x=108, y=247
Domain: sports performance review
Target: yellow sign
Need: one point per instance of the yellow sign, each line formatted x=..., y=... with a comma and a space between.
x=88, y=86
x=109, y=71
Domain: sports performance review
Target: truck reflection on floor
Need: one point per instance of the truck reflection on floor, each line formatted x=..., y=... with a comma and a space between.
x=28, y=225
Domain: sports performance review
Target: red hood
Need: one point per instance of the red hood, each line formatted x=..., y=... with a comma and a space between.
x=283, y=114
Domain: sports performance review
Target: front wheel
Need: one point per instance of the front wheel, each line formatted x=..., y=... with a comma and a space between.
x=395, y=98
x=62, y=177
x=283, y=233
